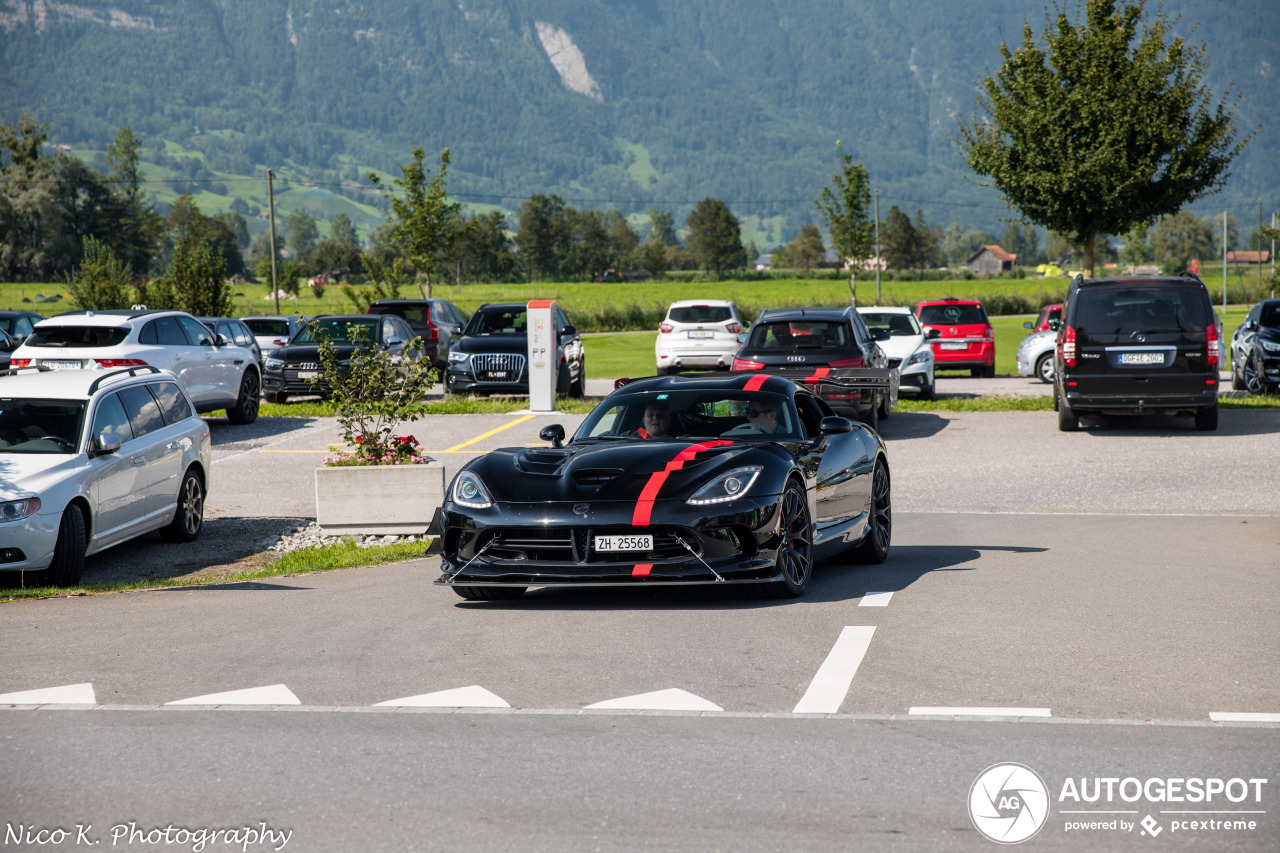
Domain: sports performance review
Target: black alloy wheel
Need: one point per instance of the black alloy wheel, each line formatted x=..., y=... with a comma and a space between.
x=1237, y=376
x=245, y=410
x=1253, y=381
x=188, y=518
x=795, y=553
x=68, y=552
x=489, y=593
x=874, y=547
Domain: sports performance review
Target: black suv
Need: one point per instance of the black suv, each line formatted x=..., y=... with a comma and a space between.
x=822, y=339
x=1137, y=346
x=490, y=356
x=438, y=322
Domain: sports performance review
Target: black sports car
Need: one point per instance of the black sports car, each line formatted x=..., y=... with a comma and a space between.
x=673, y=480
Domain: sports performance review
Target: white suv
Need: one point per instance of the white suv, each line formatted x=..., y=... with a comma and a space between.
x=698, y=334
x=216, y=373
x=89, y=459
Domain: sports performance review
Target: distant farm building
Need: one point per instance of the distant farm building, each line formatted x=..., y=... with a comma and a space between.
x=990, y=260
x=1263, y=257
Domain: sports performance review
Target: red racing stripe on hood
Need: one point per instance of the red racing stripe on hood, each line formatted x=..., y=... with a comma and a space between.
x=644, y=504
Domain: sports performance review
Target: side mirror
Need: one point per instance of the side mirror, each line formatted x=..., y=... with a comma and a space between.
x=1055, y=325
x=933, y=333
x=395, y=341
x=106, y=443
x=569, y=331
x=1028, y=325
x=835, y=425
x=553, y=433
x=221, y=341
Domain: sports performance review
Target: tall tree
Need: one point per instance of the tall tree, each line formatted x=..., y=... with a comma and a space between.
x=715, y=237
x=846, y=208
x=197, y=281
x=592, y=251
x=1177, y=239
x=139, y=231
x=544, y=235
x=806, y=250
x=1105, y=126
x=898, y=240
x=423, y=222
x=102, y=281
x=927, y=239
x=342, y=231
x=662, y=227
x=303, y=235
x=483, y=250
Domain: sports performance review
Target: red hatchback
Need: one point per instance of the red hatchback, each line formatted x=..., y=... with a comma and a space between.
x=1047, y=314
x=966, y=339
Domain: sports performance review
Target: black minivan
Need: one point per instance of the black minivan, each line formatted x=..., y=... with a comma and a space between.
x=1137, y=346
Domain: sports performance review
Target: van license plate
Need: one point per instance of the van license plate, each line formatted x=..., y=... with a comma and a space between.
x=1142, y=358
x=624, y=543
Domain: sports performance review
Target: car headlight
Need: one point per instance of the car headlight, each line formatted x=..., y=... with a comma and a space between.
x=920, y=356
x=1269, y=346
x=18, y=510
x=727, y=486
x=275, y=364
x=470, y=492
x=458, y=357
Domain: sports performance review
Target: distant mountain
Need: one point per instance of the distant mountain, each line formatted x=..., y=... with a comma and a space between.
x=610, y=103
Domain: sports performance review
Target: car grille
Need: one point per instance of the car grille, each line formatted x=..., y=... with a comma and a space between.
x=576, y=545
x=895, y=362
x=510, y=363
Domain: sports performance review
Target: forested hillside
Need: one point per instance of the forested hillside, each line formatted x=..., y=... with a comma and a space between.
x=611, y=103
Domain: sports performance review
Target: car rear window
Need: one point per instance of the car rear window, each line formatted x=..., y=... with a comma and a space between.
x=417, y=314
x=799, y=334
x=78, y=337
x=269, y=328
x=952, y=315
x=899, y=325
x=1129, y=309
x=701, y=314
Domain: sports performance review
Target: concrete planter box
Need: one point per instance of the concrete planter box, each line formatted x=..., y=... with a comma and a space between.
x=378, y=499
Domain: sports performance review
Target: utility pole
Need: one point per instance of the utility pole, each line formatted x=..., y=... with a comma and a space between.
x=1259, y=248
x=1224, y=260
x=270, y=208
x=877, y=214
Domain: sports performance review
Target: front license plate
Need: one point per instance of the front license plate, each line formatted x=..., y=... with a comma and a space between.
x=624, y=543
x=496, y=374
x=954, y=345
x=701, y=333
x=63, y=365
x=308, y=374
x=1142, y=358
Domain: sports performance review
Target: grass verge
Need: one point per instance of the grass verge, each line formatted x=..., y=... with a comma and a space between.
x=321, y=558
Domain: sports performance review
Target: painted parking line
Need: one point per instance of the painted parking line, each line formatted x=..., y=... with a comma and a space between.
x=831, y=683
x=978, y=711
x=482, y=437
x=875, y=599
x=1243, y=717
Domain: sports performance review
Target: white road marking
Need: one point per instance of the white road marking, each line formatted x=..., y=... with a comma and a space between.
x=875, y=599
x=1219, y=717
x=474, y=696
x=69, y=694
x=831, y=684
x=946, y=711
x=672, y=699
x=274, y=694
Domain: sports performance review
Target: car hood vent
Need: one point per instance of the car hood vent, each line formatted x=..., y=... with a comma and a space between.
x=541, y=461
x=596, y=476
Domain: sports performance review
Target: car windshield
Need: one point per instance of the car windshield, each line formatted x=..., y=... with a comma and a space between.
x=700, y=314
x=899, y=325
x=691, y=414
x=952, y=315
x=269, y=328
x=336, y=329
x=77, y=337
x=799, y=334
x=1270, y=316
x=33, y=425
x=510, y=321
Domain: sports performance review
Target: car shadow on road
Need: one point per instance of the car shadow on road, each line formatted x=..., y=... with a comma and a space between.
x=904, y=425
x=832, y=581
x=222, y=432
x=1230, y=422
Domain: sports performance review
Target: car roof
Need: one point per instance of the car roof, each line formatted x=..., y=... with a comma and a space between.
x=73, y=384
x=11, y=313
x=692, y=303
x=711, y=382
x=883, y=309
x=802, y=314
x=103, y=318
x=948, y=300
x=1142, y=279
x=273, y=317
x=405, y=301
x=503, y=306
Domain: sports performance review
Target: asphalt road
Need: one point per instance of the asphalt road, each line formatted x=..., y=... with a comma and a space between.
x=1089, y=605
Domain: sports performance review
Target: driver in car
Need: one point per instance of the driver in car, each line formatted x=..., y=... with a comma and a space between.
x=656, y=422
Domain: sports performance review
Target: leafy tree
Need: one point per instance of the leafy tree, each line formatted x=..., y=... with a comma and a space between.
x=139, y=230
x=483, y=250
x=1022, y=240
x=303, y=235
x=927, y=238
x=1177, y=239
x=592, y=251
x=1106, y=126
x=102, y=282
x=662, y=227
x=544, y=236
x=623, y=239
x=1137, y=247
x=237, y=226
x=342, y=231
x=715, y=237
x=331, y=255
x=805, y=251
x=651, y=256
x=422, y=220
x=845, y=206
x=385, y=281
x=898, y=240
x=197, y=281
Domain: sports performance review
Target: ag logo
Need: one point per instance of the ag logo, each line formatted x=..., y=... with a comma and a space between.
x=1008, y=803
x=796, y=358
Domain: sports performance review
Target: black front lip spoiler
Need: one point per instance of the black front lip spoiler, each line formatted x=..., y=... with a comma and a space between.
x=762, y=570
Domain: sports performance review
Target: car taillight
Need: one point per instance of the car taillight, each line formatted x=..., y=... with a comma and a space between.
x=856, y=361
x=433, y=334
x=988, y=334
x=20, y=362
x=1213, y=348
x=747, y=364
x=120, y=362
x=1069, y=346
x=666, y=328
x=733, y=328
